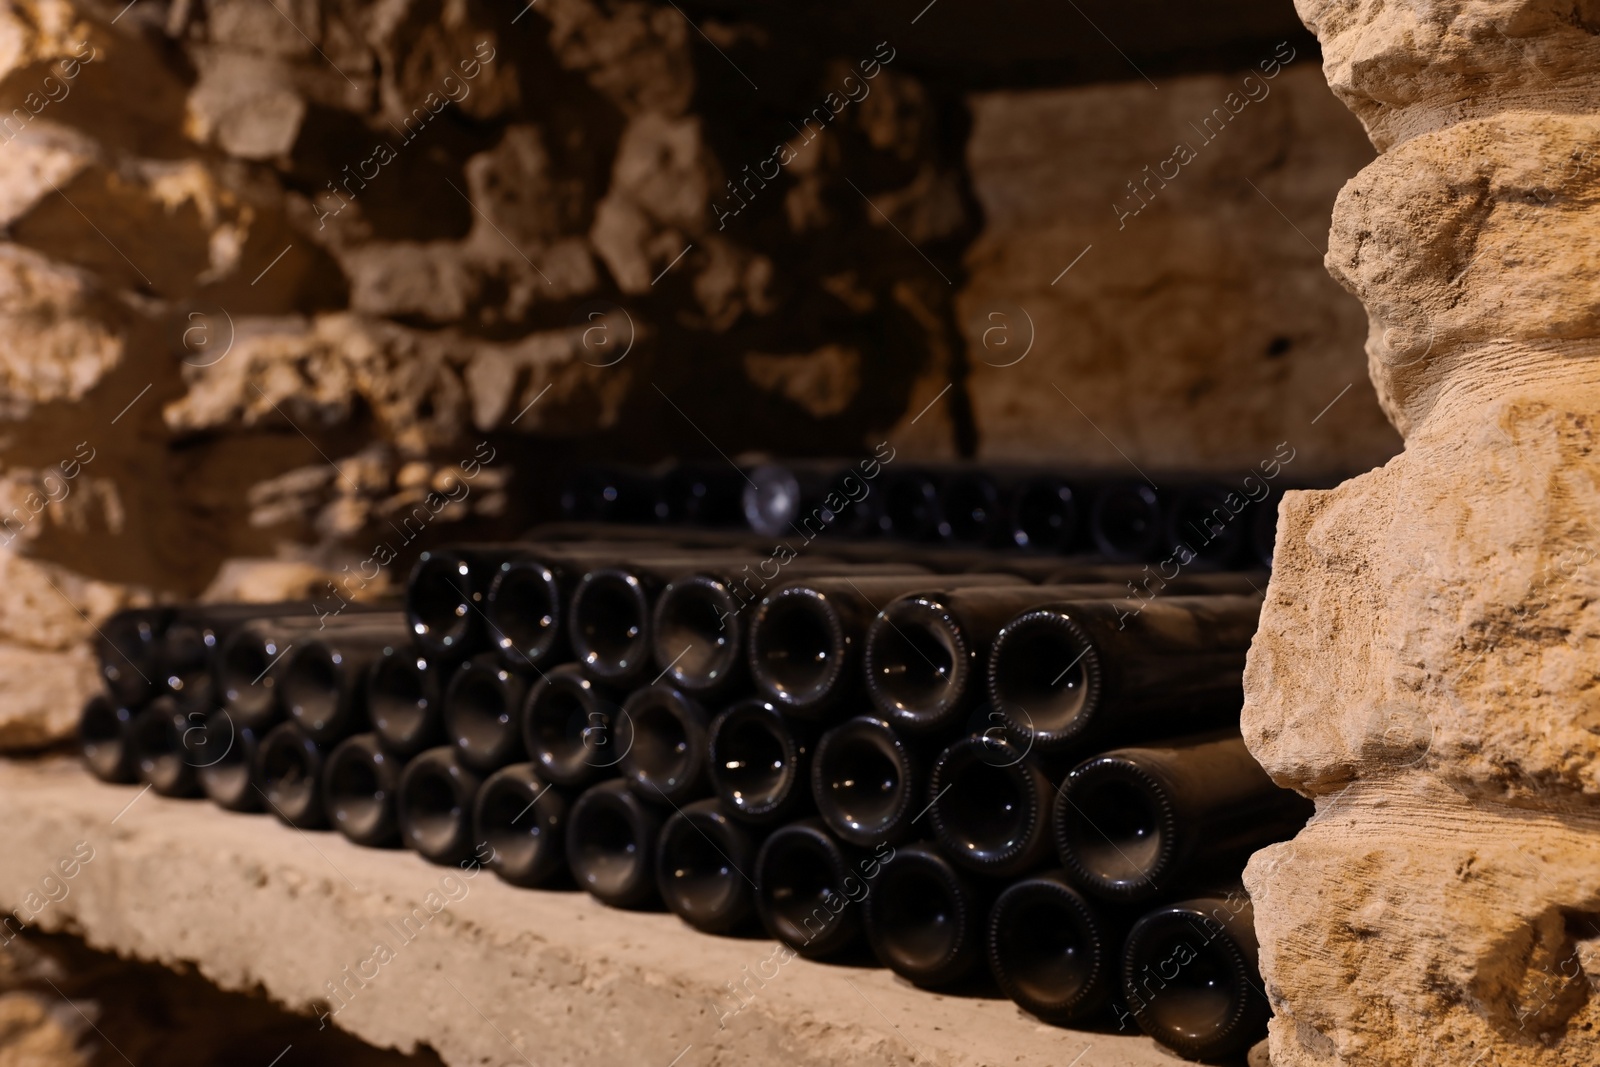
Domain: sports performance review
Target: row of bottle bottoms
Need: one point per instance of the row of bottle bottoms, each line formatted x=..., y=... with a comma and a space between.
x=1222, y=521
x=448, y=690
x=816, y=843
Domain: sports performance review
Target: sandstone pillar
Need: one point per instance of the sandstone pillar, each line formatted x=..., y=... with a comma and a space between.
x=1428, y=665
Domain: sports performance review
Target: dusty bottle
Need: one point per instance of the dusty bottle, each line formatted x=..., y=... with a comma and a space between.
x=522, y=819
x=1137, y=822
x=1127, y=521
x=105, y=737
x=698, y=628
x=868, y=782
x=161, y=733
x=1093, y=672
x=911, y=504
x=809, y=888
x=705, y=864
x=701, y=494
x=990, y=805
x=289, y=774
x=805, y=636
x=611, y=844
x=404, y=701
x=128, y=649
x=612, y=610
x=226, y=770
x=252, y=659
x=445, y=596
x=666, y=762
x=1191, y=977
x=324, y=687
x=1044, y=515
x=924, y=654
x=573, y=728
x=359, y=784
x=483, y=713
x=525, y=611
x=1052, y=951
x=1207, y=525
x=803, y=498
x=924, y=918
x=759, y=763
x=434, y=806
x=196, y=635
x=609, y=493
x=973, y=509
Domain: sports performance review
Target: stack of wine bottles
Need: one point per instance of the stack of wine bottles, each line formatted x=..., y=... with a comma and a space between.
x=1055, y=512
x=962, y=762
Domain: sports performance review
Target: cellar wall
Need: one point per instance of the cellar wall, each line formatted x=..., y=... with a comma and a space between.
x=328, y=255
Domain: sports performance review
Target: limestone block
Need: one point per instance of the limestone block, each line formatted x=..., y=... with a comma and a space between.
x=634, y=54
x=59, y=335
x=1425, y=665
x=1192, y=293
x=1405, y=67
x=245, y=104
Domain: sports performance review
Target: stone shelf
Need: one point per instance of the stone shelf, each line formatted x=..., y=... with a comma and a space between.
x=498, y=976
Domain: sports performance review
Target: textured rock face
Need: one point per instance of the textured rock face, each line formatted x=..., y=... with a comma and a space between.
x=1426, y=665
x=1194, y=318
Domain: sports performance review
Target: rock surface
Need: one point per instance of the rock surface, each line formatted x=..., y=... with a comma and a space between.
x=1426, y=661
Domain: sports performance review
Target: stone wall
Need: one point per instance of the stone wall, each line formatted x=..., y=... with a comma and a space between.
x=1426, y=664
x=286, y=288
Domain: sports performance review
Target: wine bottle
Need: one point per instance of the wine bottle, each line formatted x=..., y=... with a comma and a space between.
x=868, y=782
x=522, y=819
x=924, y=653
x=1191, y=977
x=1135, y=823
x=196, y=634
x=573, y=728
x=359, y=785
x=612, y=608
x=288, y=772
x=666, y=763
x=1127, y=521
x=611, y=843
x=1092, y=672
x=808, y=887
x=990, y=806
x=609, y=493
x=129, y=651
x=973, y=509
x=226, y=771
x=1200, y=521
x=105, y=736
x=700, y=620
x=704, y=866
x=791, y=498
x=1045, y=516
x=445, y=596
x=404, y=701
x=911, y=504
x=702, y=494
x=805, y=636
x=434, y=806
x=759, y=762
x=1052, y=951
x=924, y=918
x=483, y=713
x=160, y=733
x=324, y=687
x=249, y=666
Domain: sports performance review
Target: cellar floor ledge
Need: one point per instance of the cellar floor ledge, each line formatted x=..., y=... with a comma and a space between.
x=496, y=976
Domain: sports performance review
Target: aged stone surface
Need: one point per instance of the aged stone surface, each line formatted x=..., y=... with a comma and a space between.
x=1426, y=662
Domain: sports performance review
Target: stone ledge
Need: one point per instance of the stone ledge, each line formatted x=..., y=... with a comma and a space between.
x=500, y=975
